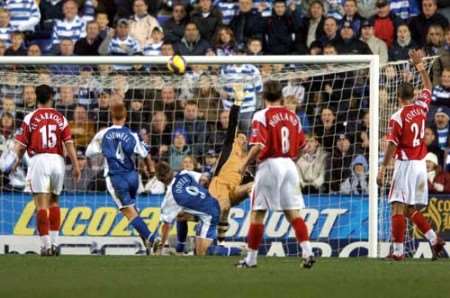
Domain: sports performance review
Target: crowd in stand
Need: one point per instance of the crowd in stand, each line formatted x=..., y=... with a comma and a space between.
x=186, y=123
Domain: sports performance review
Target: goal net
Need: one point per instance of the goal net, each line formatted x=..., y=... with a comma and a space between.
x=184, y=121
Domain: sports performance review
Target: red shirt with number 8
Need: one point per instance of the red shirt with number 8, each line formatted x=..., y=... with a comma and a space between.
x=44, y=131
x=279, y=131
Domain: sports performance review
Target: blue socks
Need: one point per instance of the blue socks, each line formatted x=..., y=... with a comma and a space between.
x=182, y=231
x=142, y=228
x=220, y=250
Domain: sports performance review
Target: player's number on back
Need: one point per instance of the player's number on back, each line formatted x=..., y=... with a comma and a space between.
x=194, y=191
x=48, y=136
x=419, y=133
x=119, y=153
x=285, y=144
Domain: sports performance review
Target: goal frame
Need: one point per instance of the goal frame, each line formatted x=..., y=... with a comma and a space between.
x=374, y=71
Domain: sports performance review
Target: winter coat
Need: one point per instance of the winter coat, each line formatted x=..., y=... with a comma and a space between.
x=141, y=29
x=419, y=26
x=311, y=168
x=175, y=156
x=398, y=52
x=246, y=25
x=209, y=25
x=279, y=31
x=197, y=48
x=357, y=184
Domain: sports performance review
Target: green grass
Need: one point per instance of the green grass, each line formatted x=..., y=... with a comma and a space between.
x=114, y=276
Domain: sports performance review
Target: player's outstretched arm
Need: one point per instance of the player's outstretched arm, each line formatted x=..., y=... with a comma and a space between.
x=388, y=155
x=70, y=149
x=417, y=59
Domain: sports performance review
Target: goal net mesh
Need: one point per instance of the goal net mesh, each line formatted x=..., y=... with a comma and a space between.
x=184, y=120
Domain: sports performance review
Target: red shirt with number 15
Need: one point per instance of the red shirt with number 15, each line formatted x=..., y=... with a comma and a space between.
x=279, y=131
x=44, y=130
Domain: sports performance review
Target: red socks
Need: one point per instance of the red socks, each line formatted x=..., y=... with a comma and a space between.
x=55, y=218
x=255, y=236
x=43, y=223
x=398, y=228
x=301, y=231
x=420, y=221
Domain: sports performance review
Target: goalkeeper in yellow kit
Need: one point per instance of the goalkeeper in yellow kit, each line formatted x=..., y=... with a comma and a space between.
x=226, y=184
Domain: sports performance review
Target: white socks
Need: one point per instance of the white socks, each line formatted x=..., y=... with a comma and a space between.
x=45, y=241
x=306, y=249
x=250, y=259
x=431, y=236
x=54, y=237
x=398, y=248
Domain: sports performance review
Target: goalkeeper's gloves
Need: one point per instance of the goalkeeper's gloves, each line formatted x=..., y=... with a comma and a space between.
x=239, y=93
x=7, y=161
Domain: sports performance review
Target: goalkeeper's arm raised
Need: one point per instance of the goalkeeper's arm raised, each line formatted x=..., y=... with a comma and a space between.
x=233, y=123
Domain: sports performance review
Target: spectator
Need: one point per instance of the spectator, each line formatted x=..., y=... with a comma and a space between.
x=83, y=130
x=17, y=47
x=352, y=16
x=122, y=44
x=72, y=26
x=251, y=77
x=362, y=134
x=358, y=182
x=66, y=48
x=441, y=127
x=5, y=28
x=102, y=20
x=169, y=104
x=137, y=116
x=224, y=42
x=312, y=25
x=160, y=134
x=66, y=102
x=443, y=61
x=207, y=18
x=228, y=8
x=438, y=180
x=441, y=92
x=432, y=145
x=142, y=24
x=419, y=25
x=339, y=164
x=101, y=112
x=189, y=163
x=193, y=127
x=254, y=46
x=209, y=163
x=7, y=129
x=385, y=22
x=88, y=87
x=279, y=30
x=51, y=12
x=311, y=166
x=9, y=106
x=174, y=27
x=327, y=129
x=24, y=14
x=331, y=36
x=218, y=131
x=402, y=45
x=178, y=150
x=349, y=44
x=192, y=43
x=376, y=45
x=366, y=8
x=87, y=177
x=435, y=40
x=2, y=49
x=153, y=47
x=28, y=102
x=334, y=9
x=34, y=50
x=247, y=23
x=89, y=45
x=292, y=102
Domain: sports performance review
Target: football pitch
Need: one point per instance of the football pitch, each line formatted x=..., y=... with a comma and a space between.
x=215, y=277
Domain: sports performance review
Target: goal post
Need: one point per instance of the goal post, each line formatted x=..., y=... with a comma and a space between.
x=304, y=65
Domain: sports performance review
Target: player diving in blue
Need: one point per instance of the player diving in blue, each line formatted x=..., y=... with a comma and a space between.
x=186, y=196
x=118, y=144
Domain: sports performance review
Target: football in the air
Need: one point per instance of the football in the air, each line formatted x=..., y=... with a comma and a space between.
x=177, y=65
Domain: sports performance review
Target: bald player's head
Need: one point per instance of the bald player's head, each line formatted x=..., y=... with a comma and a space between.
x=118, y=112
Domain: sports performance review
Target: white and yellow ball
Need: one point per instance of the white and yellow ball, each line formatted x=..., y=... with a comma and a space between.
x=177, y=65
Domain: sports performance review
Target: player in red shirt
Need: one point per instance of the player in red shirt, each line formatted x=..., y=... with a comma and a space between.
x=277, y=138
x=409, y=186
x=43, y=135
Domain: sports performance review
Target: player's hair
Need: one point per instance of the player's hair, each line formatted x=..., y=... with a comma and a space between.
x=118, y=111
x=162, y=168
x=44, y=94
x=272, y=91
x=406, y=91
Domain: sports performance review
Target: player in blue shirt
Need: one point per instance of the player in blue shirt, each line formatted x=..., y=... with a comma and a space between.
x=118, y=144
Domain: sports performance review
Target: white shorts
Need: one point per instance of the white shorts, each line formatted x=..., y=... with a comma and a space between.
x=46, y=173
x=277, y=186
x=409, y=183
